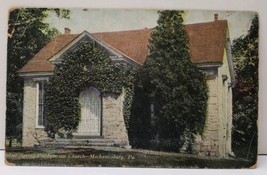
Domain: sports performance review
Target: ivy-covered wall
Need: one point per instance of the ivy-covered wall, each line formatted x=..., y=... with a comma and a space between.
x=85, y=66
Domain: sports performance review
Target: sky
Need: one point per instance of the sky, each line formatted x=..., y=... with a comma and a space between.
x=105, y=20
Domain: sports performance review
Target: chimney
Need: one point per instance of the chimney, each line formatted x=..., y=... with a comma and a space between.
x=67, y=31
x=216, y=17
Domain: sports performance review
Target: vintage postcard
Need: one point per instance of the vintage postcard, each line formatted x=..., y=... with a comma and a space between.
x=132, y=88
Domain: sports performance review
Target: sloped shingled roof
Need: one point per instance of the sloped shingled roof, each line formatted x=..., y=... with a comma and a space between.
x=131, y=43
x=206, y=42
x=40, y=63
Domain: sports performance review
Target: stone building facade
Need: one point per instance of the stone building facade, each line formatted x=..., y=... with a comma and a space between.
x=209, y=49
x=32, y=133
x=113, y=120
x=216, y=140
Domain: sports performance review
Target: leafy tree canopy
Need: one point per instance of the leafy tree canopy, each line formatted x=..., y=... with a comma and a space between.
x=27, y=34
x=245, y=94
x=175, y=86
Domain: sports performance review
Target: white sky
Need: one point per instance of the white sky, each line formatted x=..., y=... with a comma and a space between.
x=104, y=20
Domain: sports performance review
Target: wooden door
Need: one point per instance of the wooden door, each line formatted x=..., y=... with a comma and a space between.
x=90, y=101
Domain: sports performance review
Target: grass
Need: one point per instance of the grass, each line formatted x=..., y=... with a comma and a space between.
x=13, y=142
x=92, y=157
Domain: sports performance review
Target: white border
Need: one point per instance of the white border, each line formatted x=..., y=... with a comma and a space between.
x=247, y=5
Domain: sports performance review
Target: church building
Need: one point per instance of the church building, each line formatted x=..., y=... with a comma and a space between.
x=102, y=114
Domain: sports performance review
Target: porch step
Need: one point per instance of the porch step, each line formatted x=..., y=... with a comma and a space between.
x=79, y=142
x=86, y=137
x=93, y=142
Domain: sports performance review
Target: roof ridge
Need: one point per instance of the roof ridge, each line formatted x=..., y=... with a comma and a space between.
x=124, y=31
x=206, y=23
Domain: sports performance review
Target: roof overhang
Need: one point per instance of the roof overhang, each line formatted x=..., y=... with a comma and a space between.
x=35, y=74
x=208, y=65
x=230, y=59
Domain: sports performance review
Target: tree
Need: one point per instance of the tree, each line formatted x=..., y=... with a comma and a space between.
x=245, y=93
x=175, y=87
x=27, y=34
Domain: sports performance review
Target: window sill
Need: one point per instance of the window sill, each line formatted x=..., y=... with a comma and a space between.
x=39, y=127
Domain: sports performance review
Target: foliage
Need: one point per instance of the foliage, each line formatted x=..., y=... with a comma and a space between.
x=172, y=84
x=140, y=121
x=245, y=94
x=27, y=34
x=85, y=66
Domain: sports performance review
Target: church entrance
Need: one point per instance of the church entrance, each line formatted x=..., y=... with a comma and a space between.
x=90, y=124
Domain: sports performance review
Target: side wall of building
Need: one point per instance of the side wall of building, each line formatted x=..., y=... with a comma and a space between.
x=31, y=134
x=208, y=143
x=225, y=112
x=216, y=139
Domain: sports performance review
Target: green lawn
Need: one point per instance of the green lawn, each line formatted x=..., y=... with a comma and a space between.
x=91, y=157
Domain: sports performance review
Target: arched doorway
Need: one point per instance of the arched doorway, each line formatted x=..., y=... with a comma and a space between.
x=90, y=123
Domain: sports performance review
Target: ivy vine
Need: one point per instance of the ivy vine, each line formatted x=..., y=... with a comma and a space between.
x=85, y=66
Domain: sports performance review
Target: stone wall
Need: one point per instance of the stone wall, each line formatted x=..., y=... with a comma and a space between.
x=225, y=113
x=216, y=139
x=208, y=143
x=31, y=134
x=113, y=121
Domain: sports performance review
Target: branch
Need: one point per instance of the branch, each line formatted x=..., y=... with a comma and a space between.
x=13, y=30
x=26, y=22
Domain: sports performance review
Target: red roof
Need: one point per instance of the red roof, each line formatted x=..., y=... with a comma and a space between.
x=206, y=42
x=40, y=63
x=133, y=43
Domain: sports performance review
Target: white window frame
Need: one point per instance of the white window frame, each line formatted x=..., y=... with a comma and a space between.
x=37, y=84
